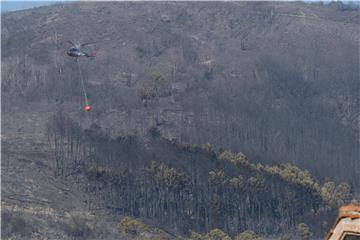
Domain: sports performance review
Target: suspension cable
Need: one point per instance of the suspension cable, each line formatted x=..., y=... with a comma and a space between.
x=82, y=83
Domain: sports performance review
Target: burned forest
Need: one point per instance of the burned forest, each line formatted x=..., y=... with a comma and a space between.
x=179, y=120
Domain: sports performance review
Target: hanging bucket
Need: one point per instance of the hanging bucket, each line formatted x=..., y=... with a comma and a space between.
x=88, y=108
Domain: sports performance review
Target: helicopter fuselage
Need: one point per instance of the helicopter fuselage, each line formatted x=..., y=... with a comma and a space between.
x=75, y=52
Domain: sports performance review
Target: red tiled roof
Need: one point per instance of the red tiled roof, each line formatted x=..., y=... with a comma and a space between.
x=348, y=211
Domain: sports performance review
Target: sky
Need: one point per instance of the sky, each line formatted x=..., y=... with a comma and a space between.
x=7, y=5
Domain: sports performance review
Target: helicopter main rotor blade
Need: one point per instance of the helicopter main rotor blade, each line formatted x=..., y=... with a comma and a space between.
x=85, y=44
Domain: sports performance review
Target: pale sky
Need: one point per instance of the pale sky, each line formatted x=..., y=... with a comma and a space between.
x=8, y=5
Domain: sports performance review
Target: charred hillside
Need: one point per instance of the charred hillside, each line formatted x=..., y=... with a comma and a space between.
x=276, y=81
x=190, y=188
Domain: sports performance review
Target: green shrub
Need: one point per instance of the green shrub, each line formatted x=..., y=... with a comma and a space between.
x=196, y=236
x=131, y=226
x=304, y=231
x=248, y=235
x=147, y=93
x=134, y=228
x=216, y=234
x=208, y=148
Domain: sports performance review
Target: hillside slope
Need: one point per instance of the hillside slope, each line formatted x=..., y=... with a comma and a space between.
x=276, y=81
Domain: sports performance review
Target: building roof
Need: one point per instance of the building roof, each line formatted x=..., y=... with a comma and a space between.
x=347, y=223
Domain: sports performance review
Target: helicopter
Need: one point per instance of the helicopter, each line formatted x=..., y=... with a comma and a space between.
x=76, y=53
x=75, y=50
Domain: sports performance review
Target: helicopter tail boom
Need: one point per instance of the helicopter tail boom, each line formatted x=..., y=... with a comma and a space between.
x=91, y=55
